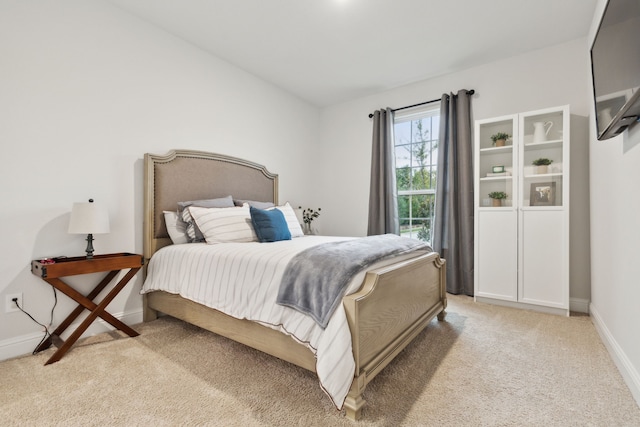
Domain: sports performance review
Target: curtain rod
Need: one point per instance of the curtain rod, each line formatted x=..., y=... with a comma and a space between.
x=469, y=92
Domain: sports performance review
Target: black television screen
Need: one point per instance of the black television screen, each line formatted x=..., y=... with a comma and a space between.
x=615, y=66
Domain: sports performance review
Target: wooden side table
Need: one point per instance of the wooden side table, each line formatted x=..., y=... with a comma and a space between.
x=62, y=267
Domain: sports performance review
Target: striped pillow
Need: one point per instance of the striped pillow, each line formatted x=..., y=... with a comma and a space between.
x=223, y=225
x=292, y=220
x=193, y=232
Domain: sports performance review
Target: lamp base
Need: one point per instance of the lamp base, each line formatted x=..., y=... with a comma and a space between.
x=89, y=249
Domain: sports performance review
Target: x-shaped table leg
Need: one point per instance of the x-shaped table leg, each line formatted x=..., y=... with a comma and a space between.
x=96, y=310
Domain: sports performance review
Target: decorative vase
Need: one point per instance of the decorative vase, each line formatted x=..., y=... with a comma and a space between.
x=496, y=203
x=500, y=142
x=542, y=169
x=306, y=229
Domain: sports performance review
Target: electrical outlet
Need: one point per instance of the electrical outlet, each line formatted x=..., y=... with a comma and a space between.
x=9, y=305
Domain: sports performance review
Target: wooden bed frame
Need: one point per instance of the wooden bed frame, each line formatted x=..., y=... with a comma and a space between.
x=394, y=304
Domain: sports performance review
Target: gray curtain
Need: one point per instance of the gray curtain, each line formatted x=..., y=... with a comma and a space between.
x=453, y=229
x=383, y=195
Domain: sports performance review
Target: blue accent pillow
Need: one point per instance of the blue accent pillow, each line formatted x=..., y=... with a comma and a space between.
x=269, y=225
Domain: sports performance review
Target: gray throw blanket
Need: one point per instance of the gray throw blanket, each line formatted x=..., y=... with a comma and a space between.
x=316, y=279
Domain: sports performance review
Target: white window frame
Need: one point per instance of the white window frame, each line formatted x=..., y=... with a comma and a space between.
x=429, y=110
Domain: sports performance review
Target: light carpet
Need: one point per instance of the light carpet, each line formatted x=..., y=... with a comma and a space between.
x=484, y=366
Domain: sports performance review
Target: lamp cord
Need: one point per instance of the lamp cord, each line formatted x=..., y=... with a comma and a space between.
x=47, y=334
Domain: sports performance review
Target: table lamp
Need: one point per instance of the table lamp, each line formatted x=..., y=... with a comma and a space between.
x=88, y=218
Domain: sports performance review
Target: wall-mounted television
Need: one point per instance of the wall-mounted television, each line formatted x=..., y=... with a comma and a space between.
x=615, y=67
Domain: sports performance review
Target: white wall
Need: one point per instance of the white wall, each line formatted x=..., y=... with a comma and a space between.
x=85, y=91
x=545, y=78
x=615, y=243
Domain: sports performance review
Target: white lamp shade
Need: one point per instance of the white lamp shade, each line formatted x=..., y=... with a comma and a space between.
x=88, y=218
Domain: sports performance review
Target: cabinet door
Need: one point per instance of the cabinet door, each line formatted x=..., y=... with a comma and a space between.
x=495, y=162
x=544, y=158
x=544, y=261
x=544, y=208
x=497, y=254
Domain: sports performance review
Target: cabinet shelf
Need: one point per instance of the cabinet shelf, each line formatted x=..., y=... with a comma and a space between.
x=556, y=143
x=542, y=175
x=497, y=178
x=542, y=208
x=496, y=150
x=499, y=208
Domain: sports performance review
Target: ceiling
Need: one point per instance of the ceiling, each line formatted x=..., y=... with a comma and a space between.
x=331, y=51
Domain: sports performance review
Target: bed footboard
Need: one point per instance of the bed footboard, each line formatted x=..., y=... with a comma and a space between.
x=394, y=305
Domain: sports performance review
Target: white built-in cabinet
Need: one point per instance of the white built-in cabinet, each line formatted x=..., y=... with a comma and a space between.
x=522, y=244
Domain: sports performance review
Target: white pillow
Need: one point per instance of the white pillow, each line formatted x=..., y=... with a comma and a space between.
x=292, y=220
x=222, y=225
x=176, y=229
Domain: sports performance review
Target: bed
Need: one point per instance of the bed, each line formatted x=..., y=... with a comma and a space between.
x=390, y=305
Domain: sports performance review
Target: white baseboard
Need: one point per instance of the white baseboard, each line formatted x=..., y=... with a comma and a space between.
x=624, y=365
x=579, y=305
x=25, y=344
x=523, y=306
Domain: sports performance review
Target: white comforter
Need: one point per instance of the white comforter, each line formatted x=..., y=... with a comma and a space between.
x=242, y=280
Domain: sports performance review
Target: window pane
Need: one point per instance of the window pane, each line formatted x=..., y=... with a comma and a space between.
x=420, y=179
x=416, y=216
x=419, y=153
x=422, y=206
x=422, y=129
x=421, y=230
x=403, y=155
x=403, y=208
x=402, y=133
x=403, y=179
x=423, y=178
x=435, y=127
x=406, y=230
x=434, y=178
x=417, y=229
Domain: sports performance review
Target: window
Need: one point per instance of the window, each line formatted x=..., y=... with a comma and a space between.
x=416, y=153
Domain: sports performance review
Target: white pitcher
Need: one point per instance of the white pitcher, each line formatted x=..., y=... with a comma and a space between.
x=540, y=131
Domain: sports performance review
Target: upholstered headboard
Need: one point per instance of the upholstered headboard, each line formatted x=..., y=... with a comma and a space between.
x=183, y=175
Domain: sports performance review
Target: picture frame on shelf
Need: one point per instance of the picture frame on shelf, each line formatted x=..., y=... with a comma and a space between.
x=542, y=194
